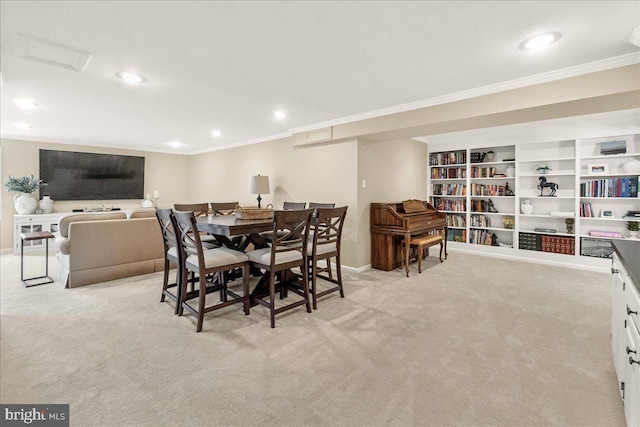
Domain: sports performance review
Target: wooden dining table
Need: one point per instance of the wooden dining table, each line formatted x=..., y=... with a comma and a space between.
x=225, y=227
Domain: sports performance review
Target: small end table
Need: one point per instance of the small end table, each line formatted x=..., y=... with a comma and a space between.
x=38, y=235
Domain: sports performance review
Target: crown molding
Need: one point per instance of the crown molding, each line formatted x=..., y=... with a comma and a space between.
x=242, y=143
x=563, y=73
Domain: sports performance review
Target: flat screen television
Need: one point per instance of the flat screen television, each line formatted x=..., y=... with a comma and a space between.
x=91, y=176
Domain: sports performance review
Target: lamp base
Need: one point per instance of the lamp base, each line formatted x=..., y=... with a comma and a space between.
x=259, y=200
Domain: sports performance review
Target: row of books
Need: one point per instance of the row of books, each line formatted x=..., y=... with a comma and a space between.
x=451, y=173
x=456, y=221
x=478, y=157
x=586, y=210
x=545, y=243
x=448, y=158
x=610, y=187
x=488, y=190
x=449, y=205
x=480, y=221
x=449, y=189
x=480, y=172
x=457, y=236
x=481, y=237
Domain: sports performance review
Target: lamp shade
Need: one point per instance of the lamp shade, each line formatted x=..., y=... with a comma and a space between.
x=259, y=185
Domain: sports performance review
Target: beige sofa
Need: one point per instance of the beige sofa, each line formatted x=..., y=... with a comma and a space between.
x=96, y=247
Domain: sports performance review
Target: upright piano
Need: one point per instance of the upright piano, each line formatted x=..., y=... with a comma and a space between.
x=390, y=224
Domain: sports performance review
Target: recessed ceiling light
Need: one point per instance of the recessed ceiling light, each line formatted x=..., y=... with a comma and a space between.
x=280, y=115
x=131, y=78
x=25, y=103
x=175, y=144
x=22, y=126
x=216, y=133
x=540, y=41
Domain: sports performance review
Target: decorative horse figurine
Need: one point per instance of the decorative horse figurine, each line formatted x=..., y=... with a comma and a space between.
x=544, y=184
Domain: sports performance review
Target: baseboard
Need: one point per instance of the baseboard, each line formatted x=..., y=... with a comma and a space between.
x=356, y=269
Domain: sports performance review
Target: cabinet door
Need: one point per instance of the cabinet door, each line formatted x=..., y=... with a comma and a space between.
x=632, y=374
x=618, y=316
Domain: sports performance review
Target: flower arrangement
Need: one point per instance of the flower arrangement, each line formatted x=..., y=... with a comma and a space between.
x=508, y=222
x=24, y=185
x=543, y=168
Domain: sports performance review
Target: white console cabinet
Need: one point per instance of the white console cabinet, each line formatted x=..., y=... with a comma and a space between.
x=32, y=223
x=625, y=327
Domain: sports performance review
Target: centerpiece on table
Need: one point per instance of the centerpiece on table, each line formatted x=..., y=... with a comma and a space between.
x=25, y=203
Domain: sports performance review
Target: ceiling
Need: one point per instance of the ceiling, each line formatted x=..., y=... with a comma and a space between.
x=230, y=65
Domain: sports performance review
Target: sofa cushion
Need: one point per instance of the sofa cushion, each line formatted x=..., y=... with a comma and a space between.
x=88, y=216
x=143, y=213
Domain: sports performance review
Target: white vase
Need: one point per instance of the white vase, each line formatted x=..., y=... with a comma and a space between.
x=46, y=204
x=632, y=166
x=511, y=171
x=25, y=204
x=526, y=207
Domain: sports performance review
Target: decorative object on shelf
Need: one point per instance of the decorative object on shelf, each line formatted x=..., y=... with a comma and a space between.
x=46, y=204
x=490, y=156
x=598, y=248
x=544, y=169
x=490, y=207
x=607, y=214
x=526, y=207
x=39, y=211
x=511, y=171
x=507, y=190
x=613, y=147
x=632, y=214
x=508, y=222
x=25, y=204
x=156, y=196
x=633, y=227
x=632, y=166
x=569, y=222
x=259, y=184
x=550, y=185
x=596, y=169
x=147, y=202
x=494, y=240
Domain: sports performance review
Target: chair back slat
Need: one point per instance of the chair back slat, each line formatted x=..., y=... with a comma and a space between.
x=166, y=226
x=327, y=227
x=290, y=231
x=294, y=206
x=198, y=209
x=188, y=238
x=225, y=208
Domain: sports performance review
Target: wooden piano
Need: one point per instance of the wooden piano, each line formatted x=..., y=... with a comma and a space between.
x=390, y=224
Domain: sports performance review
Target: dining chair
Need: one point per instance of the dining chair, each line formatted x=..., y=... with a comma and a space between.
x=210, y=263
x=288, y=250
x=171, y=255
x=290, y=206
x=324, y=245
x=313, y=205
x=225, y=208
x=198, y=209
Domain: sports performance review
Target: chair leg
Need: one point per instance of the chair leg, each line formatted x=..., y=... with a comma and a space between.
x=165, y=281
x=419, y=255
x=305, y=289
x=339, y=275
x=272, y=297
x=329, y=268
x=245, y=285
x=184, y=275
x=201, y=301
x=441, y=246
x=314, y=273
x=178, y=290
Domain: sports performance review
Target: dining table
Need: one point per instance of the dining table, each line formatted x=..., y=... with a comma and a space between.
x=226, y=229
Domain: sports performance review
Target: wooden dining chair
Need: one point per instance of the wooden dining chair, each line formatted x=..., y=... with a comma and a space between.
x=171, y=256
x=199, y=209
x=225, y=208
x=207, y=263
x=288, y=250
x=291, y=206
x=326, y=229
x=313, y=205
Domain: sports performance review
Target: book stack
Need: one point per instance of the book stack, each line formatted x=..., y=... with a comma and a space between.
x=481, y=205
x=451, y=173
x=449, y=205
x=448, y=158
x=479, y=172
x=612, y=234
x=480, y=221
x=481, y=237
x=488, y=190
x=544, y=243
x=610, y=187
x=457, y=236
x=586, y=211
x=449, y=189
x=456, y=221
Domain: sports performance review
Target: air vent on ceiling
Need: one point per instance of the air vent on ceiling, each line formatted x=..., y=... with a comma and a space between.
x=52, y=54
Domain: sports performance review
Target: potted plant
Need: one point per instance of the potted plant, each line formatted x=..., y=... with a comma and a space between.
x=543, y=169
x=508, y=222
x=633, y=227
x=25, y=204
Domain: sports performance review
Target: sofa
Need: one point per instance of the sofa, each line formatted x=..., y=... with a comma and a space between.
x=97, y=247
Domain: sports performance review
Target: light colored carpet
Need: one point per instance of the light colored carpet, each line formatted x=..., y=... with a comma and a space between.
x=471, y=342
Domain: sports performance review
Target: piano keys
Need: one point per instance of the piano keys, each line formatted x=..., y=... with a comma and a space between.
x=390, y=224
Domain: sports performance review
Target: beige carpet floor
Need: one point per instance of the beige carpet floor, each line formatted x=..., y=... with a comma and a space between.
x=471, y=342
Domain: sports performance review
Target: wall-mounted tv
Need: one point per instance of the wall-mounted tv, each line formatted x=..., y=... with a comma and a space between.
x=91, y=176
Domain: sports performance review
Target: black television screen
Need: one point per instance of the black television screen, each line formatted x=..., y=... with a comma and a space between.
x=90, y=176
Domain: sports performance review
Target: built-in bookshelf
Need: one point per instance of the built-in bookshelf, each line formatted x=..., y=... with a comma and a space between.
x=595, y=186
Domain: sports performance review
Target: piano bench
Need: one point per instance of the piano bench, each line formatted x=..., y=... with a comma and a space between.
x=421, y=243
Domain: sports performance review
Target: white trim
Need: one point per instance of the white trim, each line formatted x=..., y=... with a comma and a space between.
x=356, y=269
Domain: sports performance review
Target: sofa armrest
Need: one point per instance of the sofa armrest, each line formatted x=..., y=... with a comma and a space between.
x=62, y=245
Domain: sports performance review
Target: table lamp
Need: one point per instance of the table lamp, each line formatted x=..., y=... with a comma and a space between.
x=259, y=185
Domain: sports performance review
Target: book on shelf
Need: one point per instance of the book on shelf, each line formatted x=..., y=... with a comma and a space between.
x=610, y=187
x=597, y=233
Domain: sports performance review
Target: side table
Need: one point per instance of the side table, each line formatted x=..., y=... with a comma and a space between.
x=38, y=235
